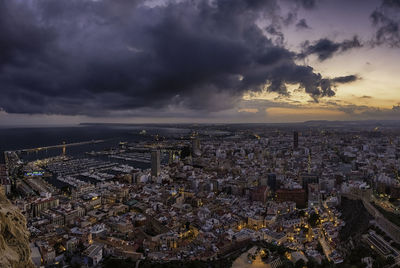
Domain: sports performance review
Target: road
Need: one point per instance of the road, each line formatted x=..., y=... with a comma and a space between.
x=326, y=248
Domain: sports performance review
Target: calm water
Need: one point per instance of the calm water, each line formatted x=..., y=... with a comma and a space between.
x=25, y=138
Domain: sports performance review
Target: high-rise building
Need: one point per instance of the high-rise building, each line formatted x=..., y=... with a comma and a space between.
x=260, y=194
x=155, y=163
x=171, y=157
x=196, y=147
x=271, y=181
x=64, y=149
x=307, y=179
x=313, y=194
x=295, y=140
x=42, y=204
x=296, y=195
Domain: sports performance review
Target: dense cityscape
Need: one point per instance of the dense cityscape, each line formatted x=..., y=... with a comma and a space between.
x=199, y=133
x=223, y=196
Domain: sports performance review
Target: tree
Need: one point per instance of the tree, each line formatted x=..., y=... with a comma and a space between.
x=319, y=248
x=326, y=263
x=390, y=260
x=300, y=263
x=379, y=262
x=395, y=245
x=312, y=263
x=286, y=264
x=313, y=220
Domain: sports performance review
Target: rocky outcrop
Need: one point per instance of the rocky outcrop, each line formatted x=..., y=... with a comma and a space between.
x=14, y=236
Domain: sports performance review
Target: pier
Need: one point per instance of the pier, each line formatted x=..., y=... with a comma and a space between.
x=63, y=146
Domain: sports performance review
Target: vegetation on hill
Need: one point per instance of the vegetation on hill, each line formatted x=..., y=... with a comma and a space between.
x=356, y=218
x=395, y=218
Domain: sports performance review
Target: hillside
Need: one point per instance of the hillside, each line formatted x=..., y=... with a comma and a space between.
x=356, y=217
x=14, y=237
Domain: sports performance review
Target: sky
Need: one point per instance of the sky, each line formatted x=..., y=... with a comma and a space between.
x=198, y=61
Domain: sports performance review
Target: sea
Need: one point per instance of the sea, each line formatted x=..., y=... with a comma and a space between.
x=18, y=138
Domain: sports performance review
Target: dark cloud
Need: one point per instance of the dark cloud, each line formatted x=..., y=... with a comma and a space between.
x=308, y=4
x=386, y=19
x=311, y=83
x=21, y=40
x=345, y=79
x=391, y=3
x=302, y=24
x=362, y=112
x=290, y=18
x=276, y=33
x=97, y=57
x=326, y=48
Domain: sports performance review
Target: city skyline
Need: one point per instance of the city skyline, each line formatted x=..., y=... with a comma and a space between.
x=156, y=61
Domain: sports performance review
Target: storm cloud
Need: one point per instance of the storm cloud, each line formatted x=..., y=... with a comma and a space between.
x=325, y=48
x=302, y=24
x=308, y=4
x=85, y=57
x=386, y=19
